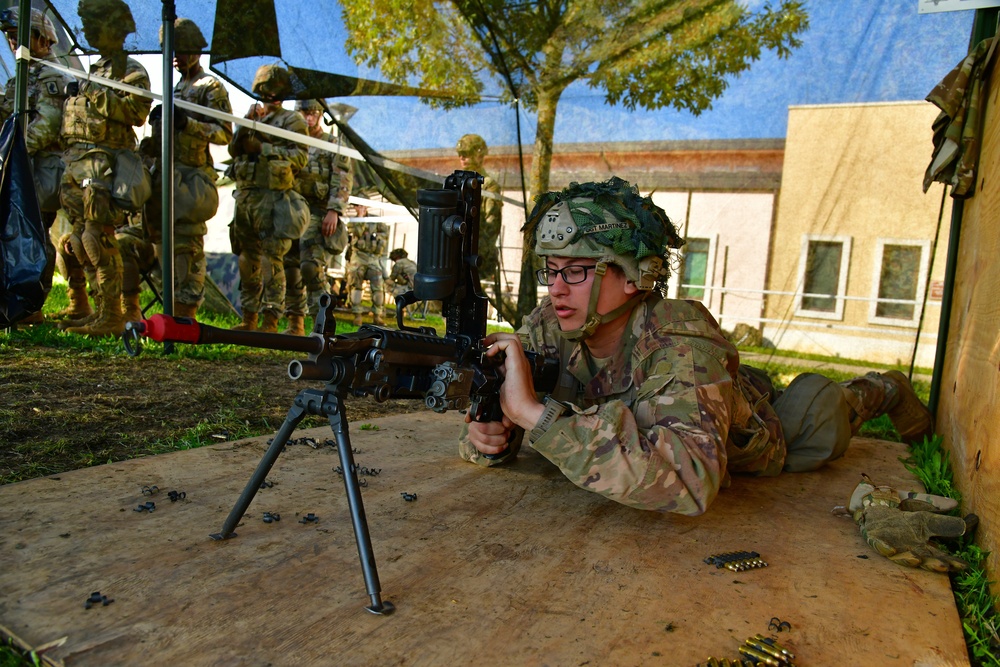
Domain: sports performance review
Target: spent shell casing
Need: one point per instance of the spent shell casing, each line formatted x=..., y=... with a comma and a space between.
x=760, y=656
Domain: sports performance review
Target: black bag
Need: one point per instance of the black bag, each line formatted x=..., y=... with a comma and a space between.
x=22, y=236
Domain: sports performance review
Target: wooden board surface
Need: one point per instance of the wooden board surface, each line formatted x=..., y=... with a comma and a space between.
x=968, y=416
x=496, y=567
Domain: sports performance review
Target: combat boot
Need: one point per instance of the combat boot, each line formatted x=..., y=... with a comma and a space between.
x=133, y=310
x=109, y=320
x=249, y=322
x=296, y=325
x=357, y=320
x=83, y=320
x=270, y=323
x=378, y=321
x=79, y=305
x=910, y=417
x=185, y=310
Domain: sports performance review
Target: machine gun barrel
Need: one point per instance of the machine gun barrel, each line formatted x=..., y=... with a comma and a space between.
x=167, y=329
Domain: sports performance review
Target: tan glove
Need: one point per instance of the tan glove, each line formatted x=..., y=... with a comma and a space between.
x=903, y=535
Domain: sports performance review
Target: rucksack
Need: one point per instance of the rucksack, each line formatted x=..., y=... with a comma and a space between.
x=22, y=236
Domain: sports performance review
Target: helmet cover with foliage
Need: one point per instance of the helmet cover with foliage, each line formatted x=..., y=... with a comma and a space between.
x=39, y=22
x=110, y=12
x=612, y=223
x=398, y=254
x=187, y=37
x=272, y=82
x=305, y=106
x=471, y=144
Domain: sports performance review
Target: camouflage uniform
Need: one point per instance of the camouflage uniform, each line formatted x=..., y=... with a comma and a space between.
x=326, y=183
x=663, y=422
x=97, y=124
x=473, y=149
x=401, y=278
x=269, y=213
x=196, y=198
x=369, y=241
x=46, y=94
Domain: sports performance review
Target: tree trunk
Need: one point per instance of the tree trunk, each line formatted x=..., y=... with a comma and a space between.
x=541, y=165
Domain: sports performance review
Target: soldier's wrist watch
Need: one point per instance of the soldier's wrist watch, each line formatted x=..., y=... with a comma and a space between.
x=553, y=411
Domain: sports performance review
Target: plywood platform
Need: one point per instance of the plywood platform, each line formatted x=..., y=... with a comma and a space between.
x=493, y=567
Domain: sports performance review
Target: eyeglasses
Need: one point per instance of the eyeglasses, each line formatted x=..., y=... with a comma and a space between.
x=571, y=275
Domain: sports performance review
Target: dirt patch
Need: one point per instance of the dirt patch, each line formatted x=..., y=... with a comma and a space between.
x=61, y=410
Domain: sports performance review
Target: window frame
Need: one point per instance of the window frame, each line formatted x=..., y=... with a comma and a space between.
x=713, y=244
x=922, y=271
x=845, y=266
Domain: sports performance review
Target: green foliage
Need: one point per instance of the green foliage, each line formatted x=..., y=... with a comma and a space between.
x=932, y=466
x=12, y=656
x=977, y=606
x=369, y=427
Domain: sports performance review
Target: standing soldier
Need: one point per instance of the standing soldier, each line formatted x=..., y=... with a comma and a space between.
x=403, y=272
x=269, y=213
x=98, y=132
x=368, y=244
x=472, y=150
x=46, y=93
x=326, y=184
x=196, y=198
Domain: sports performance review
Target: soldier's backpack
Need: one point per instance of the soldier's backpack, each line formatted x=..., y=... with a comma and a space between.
x=22, y=236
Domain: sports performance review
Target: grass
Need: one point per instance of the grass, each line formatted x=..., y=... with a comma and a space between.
x=977, y=606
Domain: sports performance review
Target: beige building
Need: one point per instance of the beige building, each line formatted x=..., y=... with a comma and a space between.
x=719, y=193
x=852, y=242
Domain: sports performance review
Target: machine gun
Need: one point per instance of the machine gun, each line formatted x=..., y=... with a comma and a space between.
x=450, y=372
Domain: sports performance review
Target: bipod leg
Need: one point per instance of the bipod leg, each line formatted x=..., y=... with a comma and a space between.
x=295, y=415
x=334, y=409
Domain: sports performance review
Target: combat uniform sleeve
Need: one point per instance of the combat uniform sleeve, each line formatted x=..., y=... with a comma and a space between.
x=43, y=130
x=341, y=183
x=126, y=108
x=667, y=451
x=211, y=130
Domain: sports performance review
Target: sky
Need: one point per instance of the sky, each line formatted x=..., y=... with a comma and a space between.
x=854, y=51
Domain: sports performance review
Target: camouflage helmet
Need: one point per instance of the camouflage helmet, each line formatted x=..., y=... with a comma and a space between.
x=187, y=37
x=398, y=254
x=110, y=12
x=272, y=82
x=308, y=105
x=609, y=222
x=471, y=144
x=39, y=22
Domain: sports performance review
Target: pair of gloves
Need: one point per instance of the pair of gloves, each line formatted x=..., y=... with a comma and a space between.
x=180, y=118
x=900, y=524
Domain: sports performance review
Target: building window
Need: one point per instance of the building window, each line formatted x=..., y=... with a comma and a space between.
x=900, y=274
x=694, y=269
x=823, y=276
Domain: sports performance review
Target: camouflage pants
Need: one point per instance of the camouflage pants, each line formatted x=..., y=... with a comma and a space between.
x=307, y=262
x=91, y=248
x=139, y=256
x=253, y=235
x=365, y=267
x=819, y=416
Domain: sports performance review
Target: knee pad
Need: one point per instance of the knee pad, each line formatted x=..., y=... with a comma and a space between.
x=75, y=242
x=93, y=248
x=313, y=273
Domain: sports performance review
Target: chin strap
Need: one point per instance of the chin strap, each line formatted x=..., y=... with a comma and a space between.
x=594, y=319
